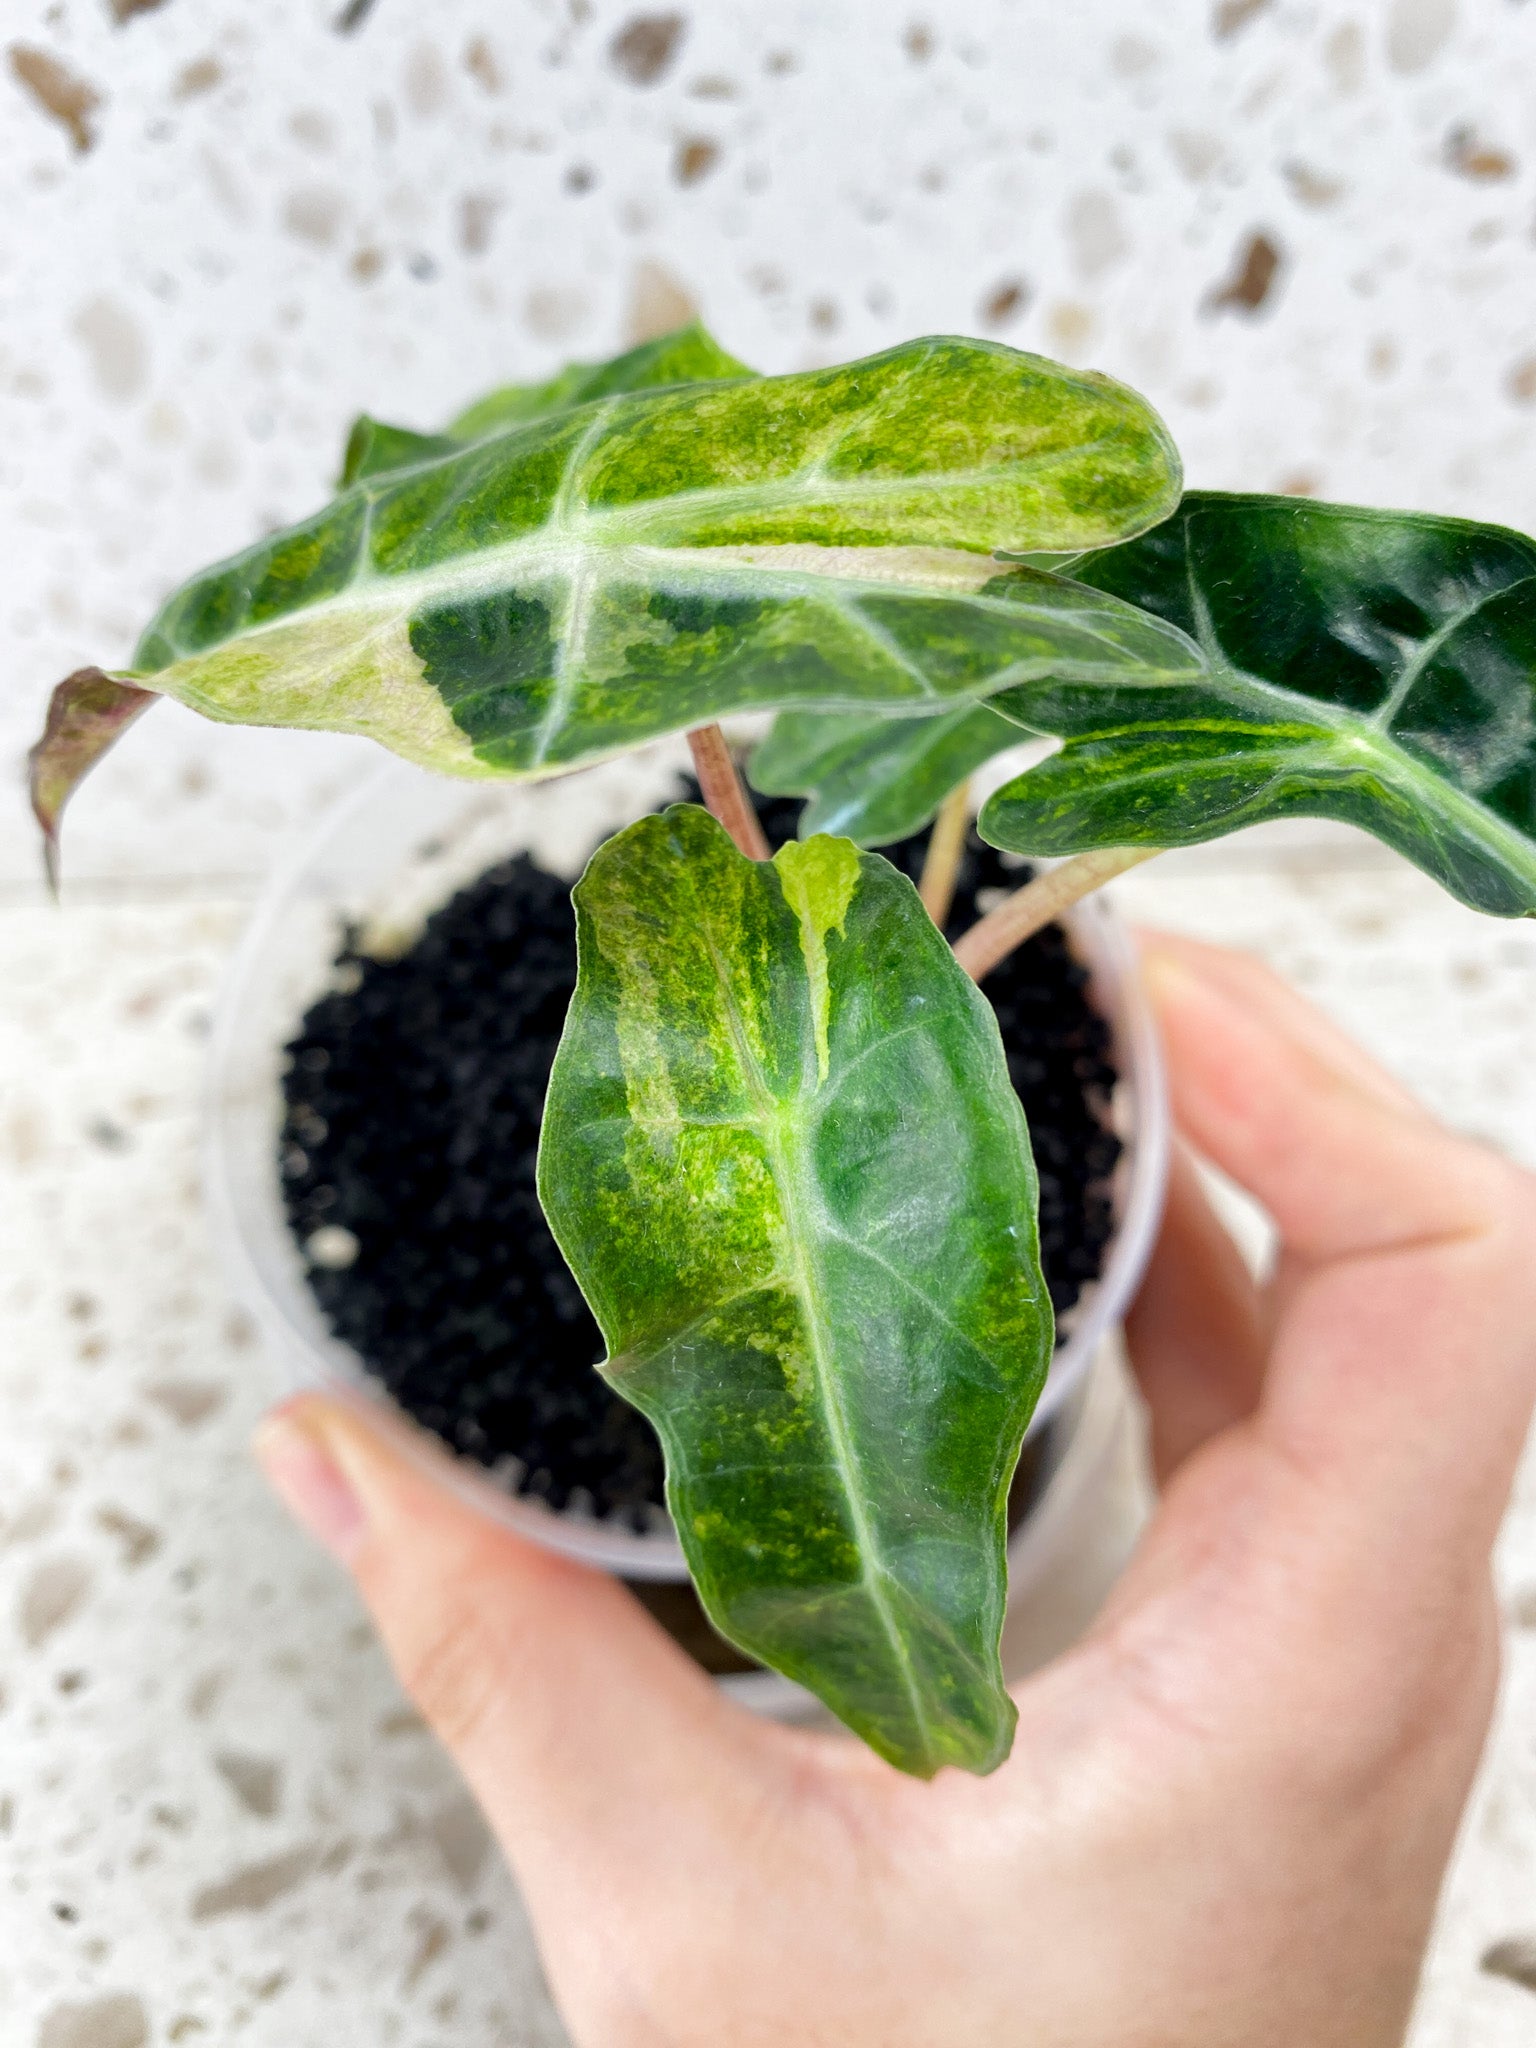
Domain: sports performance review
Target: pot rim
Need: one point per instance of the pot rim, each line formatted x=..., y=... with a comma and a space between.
x=261, y=1259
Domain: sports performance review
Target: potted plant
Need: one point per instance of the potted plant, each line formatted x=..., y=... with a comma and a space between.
x=780, y=1149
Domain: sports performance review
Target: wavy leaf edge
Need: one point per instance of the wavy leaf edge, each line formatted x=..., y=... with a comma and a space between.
x=627, y=1182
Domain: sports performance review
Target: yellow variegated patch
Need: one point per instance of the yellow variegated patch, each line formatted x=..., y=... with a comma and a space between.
x=574, y=568
x=824, y=1287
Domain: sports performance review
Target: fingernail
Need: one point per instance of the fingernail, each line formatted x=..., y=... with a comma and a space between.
x=311, y=1485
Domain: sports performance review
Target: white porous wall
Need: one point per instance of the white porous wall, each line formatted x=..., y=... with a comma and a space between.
x=1303, y=227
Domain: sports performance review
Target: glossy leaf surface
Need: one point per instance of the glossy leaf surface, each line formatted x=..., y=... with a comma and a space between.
x=569, y=588
x=783, y=1158
x=1373, y=667
x=875, y=779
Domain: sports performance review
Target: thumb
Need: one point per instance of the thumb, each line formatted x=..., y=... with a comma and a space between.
x=569, y=1712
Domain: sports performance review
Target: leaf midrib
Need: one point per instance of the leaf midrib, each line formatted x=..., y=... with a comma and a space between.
x=543, y=562
x=783, y=1138
x=645, y=522
x=811, y=478
x=1362, y=729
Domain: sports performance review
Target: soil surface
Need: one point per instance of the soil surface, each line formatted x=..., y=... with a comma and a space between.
x=414, y=1094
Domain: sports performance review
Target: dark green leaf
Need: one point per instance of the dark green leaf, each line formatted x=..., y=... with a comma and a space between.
x=1373, y=667
x=639, y=564
x=784, y=1160
x=875, y=779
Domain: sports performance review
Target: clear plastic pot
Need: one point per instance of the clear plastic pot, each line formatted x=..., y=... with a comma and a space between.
x=385, y=859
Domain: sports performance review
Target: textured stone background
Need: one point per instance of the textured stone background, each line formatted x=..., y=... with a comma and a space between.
x=1304, y=227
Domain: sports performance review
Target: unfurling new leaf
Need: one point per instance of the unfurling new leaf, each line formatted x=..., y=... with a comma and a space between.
x=783, y=1158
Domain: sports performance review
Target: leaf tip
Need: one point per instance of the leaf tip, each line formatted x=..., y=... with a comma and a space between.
x=52, y=871
x=87, y=713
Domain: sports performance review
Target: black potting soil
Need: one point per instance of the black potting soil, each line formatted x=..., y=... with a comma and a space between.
x=414, y=1093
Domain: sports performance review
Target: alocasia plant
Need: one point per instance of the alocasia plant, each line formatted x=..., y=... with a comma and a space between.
x=780, y=1149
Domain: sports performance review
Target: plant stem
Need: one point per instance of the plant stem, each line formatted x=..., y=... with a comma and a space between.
x=722, y=790
x=993, y=937
x=946, y=843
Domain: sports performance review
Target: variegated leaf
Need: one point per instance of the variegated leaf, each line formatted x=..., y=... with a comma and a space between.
x=89, y=711
x=563, y=590
x=783, y=1158
x=374, y=448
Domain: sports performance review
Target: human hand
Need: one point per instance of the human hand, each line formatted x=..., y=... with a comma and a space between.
x=1228, y=1810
